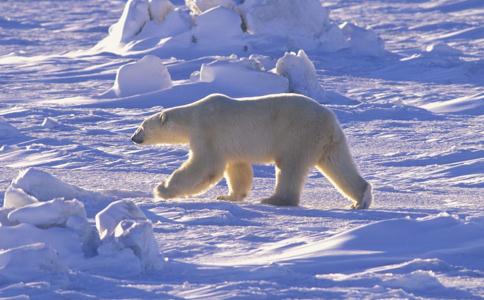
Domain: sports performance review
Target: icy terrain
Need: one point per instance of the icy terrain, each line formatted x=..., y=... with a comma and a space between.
x=405, y=78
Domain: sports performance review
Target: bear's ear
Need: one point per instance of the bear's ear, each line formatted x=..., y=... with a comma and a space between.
x=163, y=119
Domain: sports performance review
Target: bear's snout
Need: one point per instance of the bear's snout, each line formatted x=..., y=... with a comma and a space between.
x=138, y=136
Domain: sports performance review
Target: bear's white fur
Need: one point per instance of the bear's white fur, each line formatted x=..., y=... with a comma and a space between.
x=227, y=135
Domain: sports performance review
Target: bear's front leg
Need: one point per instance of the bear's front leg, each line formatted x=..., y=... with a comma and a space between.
x=194, y=177
x=163, y=192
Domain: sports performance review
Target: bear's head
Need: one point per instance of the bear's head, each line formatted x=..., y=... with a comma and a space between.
x=161, y=128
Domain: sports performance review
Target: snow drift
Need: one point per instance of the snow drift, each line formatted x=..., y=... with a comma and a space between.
x=470, y=105
x=392, y=241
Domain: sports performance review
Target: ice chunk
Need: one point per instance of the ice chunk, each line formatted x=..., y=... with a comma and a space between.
x=50, y=123
x=122, y=225
x=199, y=6
x=159, y=9
x=301, y=73
x=67, y=243
x=243, y=74
x=288, y=18
x=146, y=75
x=115, y=212
x=43, y=186
x=135, y=15
x=138, y=236
x=33, y=261
x=50, y=213
x=16, y=197
x=363, y=41
x=217, y=26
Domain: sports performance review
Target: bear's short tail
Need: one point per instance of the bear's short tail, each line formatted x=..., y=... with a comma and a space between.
x=338, y=166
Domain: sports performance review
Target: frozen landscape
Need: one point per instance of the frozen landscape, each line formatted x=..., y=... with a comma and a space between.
x=78, y=218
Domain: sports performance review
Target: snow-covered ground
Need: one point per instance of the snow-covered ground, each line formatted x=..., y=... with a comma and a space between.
x=405, y=78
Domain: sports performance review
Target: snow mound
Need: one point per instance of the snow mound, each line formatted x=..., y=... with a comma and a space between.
x=55, y=212
x=220, y=22
x=437, y=55
x=295, y=20
x=362, y=41
x=469, y=105
x=442, y=49
x=122, y=225
x=33, y=261
x=7, y=130
x=301, y=73
x=199, y=6
x=242, y=74
x=34, y=183
x=145, y=75
x=172, y=24
x=302, y=77
x=415, y=281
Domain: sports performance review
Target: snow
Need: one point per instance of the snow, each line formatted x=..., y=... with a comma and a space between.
x=43, y=186
x=301, y=73
x=115, y=212
x=145, y=75
x=16, y=197
x=473, y=104
x=122, y=225
x=200, y=6
x=135, y=15
x=50, y=123
x=55, y=212
x=29, y=262
x=363, y=41
x=220, y=22
x=243, y=75
x=303, y=19
x=7, y=130
x=227, y=26
x=159, y=9
x=404, y=79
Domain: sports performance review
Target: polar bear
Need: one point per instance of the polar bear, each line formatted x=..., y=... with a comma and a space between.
x=227, y=135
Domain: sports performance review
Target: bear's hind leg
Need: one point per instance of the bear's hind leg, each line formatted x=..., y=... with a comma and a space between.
x=194, y=177
x=239, y=179
x=290, y=177
x=338, y=166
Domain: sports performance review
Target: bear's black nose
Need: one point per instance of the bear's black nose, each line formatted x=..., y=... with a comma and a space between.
x=138, y=136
